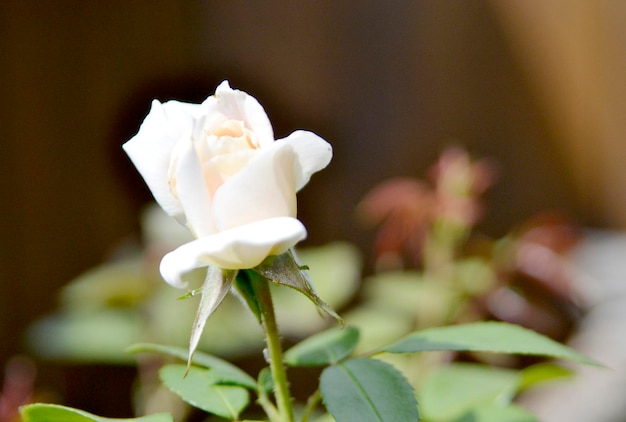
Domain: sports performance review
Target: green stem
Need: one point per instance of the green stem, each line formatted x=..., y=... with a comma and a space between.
x=268, y=407
x=311, y=404
x=275, y=352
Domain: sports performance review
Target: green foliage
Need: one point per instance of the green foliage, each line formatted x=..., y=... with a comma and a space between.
x=116, y=284
x=228, y=373
x=367, y=390
x=265, y=382
x=395, y=303
x=453, y=390
x=39, y=412
x=540, y=373
x=494, y=337
x=419, y=298
x=104, y=310
x=87, y=336
x=510, y=413
x=362, y=389
x=475, y=276
x=202, y=389
x=325, y=348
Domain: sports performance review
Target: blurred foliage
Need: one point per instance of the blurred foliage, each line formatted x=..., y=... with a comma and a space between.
x=432, y=268
x=435, y=268
x=117, y=304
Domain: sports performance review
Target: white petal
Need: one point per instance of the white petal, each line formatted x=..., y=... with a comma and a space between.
x=264, y=188
x=238, y=105
x=313, y=153
x=191, y=189
x=239, y=248
x=151, y=148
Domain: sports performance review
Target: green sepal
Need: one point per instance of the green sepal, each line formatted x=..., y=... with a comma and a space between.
x=189, y=294
x=215, y=288
x=244, y=289
x=286, y=271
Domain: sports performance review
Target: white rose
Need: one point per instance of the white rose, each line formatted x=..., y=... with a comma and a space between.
x=216, y=168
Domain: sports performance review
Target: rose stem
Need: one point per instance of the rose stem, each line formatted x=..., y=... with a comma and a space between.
x=272, y=338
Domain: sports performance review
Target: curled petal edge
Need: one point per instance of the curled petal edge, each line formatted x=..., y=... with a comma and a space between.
x=313, y=154
x=242, y=247
x=240, y=105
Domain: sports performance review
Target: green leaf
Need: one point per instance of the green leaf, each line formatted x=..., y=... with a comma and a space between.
x=98, y=335
x=540, y=373
x=512, y=413
x=285, y=270
x=409, y=295
x=494, y=337
x=453, y=390
x=325, y=348
x=378, y=326
x=265, y=381
x=367, y=390
x=475, y=276
x=200, y=389
x=479, y=391
x=115, y=284
x=41, y=412
x=228, y=373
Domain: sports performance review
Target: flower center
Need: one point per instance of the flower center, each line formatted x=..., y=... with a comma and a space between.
x=224, y=151
x=231, y=135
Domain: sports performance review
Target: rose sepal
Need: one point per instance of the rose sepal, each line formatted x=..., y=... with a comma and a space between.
x=285, y=270
x=245, y=291
x=215, y=288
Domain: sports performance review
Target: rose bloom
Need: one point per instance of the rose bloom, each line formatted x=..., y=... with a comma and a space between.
x=216, y=168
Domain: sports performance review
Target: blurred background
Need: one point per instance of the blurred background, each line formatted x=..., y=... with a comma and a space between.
x=537, y=86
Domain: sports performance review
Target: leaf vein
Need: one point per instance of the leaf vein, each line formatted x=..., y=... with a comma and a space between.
x=359, y=386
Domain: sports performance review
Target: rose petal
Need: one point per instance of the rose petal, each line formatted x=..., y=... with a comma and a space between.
x=190, y=187
x=239, y=248
x=313, y=153
x=264, y=188
x=238, y=105
x=151, y=148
